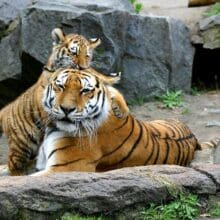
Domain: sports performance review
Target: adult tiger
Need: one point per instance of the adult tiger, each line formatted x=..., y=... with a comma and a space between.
x=24, y=120
x=88, y=137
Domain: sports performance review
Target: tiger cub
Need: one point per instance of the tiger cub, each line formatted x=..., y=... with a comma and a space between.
x=86, y=135
x=24, y=120
x=76, y=51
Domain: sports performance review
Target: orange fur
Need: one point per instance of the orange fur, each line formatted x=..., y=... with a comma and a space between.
x=23, y=121
x=117, y=142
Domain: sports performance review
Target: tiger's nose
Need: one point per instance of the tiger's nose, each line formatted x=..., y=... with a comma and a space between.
x=66, y=111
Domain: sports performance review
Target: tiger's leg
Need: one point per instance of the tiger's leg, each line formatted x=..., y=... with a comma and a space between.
x=20, y=160
x=82, y=166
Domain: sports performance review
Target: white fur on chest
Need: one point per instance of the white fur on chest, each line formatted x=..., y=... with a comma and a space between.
x=46, y=148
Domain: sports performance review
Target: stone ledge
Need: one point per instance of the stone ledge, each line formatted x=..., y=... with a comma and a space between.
x=93, y=193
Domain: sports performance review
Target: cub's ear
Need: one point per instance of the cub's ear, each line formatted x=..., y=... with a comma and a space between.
x=94, y=42
x=57, y=36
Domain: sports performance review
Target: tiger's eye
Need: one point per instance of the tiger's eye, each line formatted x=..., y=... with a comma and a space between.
x=85, y=90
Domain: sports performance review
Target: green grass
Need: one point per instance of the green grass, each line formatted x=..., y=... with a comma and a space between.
x=215, y=212
x=171, y=99
x=137, y=6
x=214, y=10
x=214, y=208
x=184, y=207
x=140, y=100
x=78, y=217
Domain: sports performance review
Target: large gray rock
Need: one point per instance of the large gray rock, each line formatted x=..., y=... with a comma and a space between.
x=95, y=193
x=9, y=10
x=208, y=32
x=10, y=53
x=153, y=53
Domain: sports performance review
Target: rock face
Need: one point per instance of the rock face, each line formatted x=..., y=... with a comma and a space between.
x=153, y=53
x=208, y=32
x=9, y=10
x=95, y=193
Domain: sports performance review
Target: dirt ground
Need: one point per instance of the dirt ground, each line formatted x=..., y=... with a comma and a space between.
x=174, y=8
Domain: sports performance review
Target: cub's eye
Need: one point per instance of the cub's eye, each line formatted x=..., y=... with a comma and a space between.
x=85, y=90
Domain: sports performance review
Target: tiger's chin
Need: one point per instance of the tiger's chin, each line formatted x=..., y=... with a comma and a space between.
x=81, y=128
x=67, y=126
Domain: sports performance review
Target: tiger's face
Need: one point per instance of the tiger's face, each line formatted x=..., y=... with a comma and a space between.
x=71, y=50
x=76, y=101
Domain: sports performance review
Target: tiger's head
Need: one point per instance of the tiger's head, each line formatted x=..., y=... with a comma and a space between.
x=76, y=101
x=70, y=50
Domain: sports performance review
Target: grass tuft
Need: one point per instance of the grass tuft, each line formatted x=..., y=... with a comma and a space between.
x=184, y=207
x=171, y=99
x=137, y=6
x=214, y=10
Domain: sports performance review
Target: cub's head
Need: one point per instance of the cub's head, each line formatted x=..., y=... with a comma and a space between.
x=76, y=101
x=71, y=50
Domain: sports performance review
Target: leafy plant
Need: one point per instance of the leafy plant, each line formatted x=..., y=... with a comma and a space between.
x=156, y=213
x=172, y=99
x=214, y=10
x=137, y=6
x=184, y=207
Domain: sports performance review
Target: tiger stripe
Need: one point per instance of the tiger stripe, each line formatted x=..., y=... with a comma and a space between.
x=114, y=143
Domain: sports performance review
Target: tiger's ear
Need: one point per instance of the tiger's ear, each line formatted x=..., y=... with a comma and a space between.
x=58, y=36
x=94, y=42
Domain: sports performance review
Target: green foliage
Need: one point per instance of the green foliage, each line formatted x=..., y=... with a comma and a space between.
x=214, y=10
x=184, y=207
x=214, y=209
x=137, y=6
x=138, y=101
x=78, y=217
x=194, y=91
x=172, y=99
x=215, y=212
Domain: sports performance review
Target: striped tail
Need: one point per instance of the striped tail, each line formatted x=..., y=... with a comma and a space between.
x=210, y=144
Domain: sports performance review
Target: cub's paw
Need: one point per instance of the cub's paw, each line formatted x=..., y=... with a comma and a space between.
x=118, y=110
